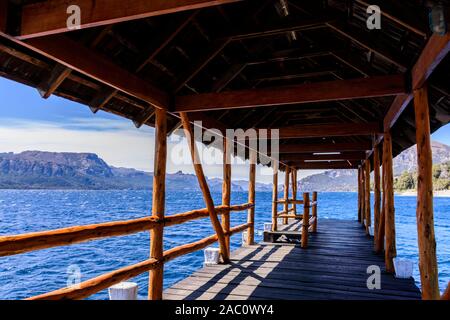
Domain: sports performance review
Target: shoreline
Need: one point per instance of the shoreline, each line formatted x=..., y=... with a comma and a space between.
x=413, y=193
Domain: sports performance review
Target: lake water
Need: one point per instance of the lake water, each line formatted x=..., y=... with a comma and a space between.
x=41, y=271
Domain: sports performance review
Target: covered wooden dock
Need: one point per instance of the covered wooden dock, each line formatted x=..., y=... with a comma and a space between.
x=310, y=78
x=333, y=267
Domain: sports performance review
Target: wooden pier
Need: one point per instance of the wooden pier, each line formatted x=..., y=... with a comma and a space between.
x=333, y=267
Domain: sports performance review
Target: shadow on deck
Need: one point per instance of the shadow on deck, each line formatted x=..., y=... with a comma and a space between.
x=334, y=266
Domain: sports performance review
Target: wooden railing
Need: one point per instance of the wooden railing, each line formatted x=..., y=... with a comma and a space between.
x=308, y=223
x=16, y=244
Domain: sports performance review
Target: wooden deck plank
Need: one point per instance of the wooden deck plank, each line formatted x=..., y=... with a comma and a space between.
x=334, y=266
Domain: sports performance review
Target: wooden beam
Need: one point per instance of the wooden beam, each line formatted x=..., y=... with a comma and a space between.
x=376, y=193
x=275, y=197
x=84, y=60
x=50, y=17
x=359, y=195
x=297, y=94
x=286, y=193
x=329, y=130
x=294, y=190
x=323, y=147
x=395, y=110
x=358, y=155
x=325, y=165
x=204, y=186
x=251, y=197
x=107, y=94
x=314, y=211
x=58, y=74
x=305, y=220
x=379, y=246
x=389, y=210
x=367, y=212
x=155, y=287
x=226, y=188
x=434, y=52
x=425, y=220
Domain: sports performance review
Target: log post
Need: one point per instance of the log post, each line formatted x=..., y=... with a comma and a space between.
x=377, y=193
x=294, y=189
x=275, y=197
x=425, y=221
x=367, y=194
x=359, y=195
x=314, y=211
x=286, y=193
x=379, y=244
x=305, y=220
x=446, y=294
x=155, y=287
x=251, y=198
x=226, y=190
x=363, y=195
x=389, y=210
x=204, y=186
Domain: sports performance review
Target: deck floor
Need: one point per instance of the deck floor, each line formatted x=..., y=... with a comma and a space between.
x=334, y=266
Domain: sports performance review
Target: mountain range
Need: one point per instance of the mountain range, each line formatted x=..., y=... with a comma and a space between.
x=346, y=180
x=64, y=170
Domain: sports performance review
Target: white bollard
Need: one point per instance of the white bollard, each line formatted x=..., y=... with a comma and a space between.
x=403, y=268
x=123, y=291
x=267, y=226
x=244, y=238
x=371, y=231
x=212, y=256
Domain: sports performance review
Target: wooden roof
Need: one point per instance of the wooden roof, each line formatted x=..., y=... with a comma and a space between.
x=310, y=68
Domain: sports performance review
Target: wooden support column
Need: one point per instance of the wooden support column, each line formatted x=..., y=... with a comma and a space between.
x=379, y=244
x=314, y=211
x=363, y=195
x=446, y=294
x=425, y=221
x=275, y=197
x=204, y=186
x=367, y=195
x=389, y=210
x=226, y=190
x=286, y=194
x=155, y=287
x=377, y=193
x=359, y=196
x=305, y=224
x=251, y=198
x=294, y=189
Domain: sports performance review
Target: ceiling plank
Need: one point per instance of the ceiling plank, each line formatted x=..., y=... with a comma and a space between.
x=434, y=52
x=296, y=94
x=356, y=155
x=50, y=17
x=48, y=86
x=329, y=130
x=324, y=165
x=84, y=60
x=325, y=147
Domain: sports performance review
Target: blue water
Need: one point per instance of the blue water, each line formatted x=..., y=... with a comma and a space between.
x=41, y=271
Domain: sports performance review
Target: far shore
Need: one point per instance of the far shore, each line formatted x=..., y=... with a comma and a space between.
x=411, y=193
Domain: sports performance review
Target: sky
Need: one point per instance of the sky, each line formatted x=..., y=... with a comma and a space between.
x=28, y=122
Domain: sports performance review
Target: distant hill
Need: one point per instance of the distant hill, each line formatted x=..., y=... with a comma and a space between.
x=54, y=170
x=346, y=180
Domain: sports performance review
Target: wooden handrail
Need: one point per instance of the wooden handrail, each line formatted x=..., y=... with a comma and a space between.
x=290, y=201
x=15, y=244
x=94, y=285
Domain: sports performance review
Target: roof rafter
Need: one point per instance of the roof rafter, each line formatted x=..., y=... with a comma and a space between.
x=50, y=17
x=296, y=94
